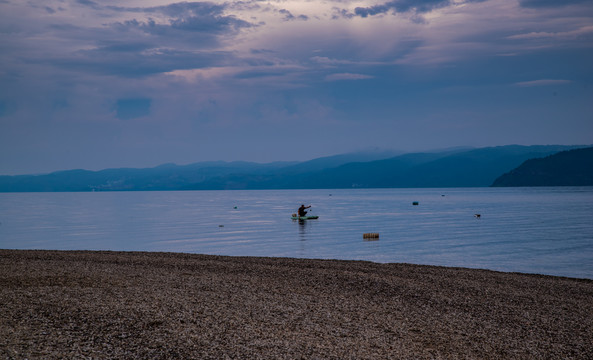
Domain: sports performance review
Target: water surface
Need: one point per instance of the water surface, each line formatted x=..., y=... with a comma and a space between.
x=534, y=230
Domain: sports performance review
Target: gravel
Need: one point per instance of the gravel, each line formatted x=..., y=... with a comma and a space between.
x=83, y=304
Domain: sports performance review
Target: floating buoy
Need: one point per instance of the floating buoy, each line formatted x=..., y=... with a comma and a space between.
x=235, y=207
x=415, y=203
x=220, y=225
x=370, y=235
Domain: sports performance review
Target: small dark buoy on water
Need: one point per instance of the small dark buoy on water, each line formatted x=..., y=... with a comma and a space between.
x=370, y=236
x=415, y=203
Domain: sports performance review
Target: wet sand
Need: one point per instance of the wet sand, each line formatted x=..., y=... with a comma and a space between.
x=66, y=304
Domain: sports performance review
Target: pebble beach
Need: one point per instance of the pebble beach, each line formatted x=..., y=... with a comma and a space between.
x=139, y=305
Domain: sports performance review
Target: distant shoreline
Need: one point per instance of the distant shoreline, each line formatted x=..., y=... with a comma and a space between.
x=277, y=189
x=139, y=304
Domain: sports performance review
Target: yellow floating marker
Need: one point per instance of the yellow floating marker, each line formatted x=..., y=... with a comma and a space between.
x=370, y=235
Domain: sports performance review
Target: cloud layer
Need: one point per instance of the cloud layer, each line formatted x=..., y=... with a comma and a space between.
x=103, y=83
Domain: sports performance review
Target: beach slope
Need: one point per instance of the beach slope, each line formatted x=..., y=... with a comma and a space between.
x=71, y=304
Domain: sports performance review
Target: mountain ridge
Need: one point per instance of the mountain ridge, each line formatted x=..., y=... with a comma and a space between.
x=566, y=168
x=476, y=167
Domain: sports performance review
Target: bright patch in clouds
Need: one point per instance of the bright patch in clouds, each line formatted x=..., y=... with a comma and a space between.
x=347, y=76
x=543, y=82
x=583, y=31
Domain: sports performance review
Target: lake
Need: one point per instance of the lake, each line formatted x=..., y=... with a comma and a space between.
x=531, y=230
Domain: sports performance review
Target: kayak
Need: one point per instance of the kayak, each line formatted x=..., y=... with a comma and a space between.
x=307, y=217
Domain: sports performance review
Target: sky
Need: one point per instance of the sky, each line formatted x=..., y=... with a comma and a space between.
x=97, y=84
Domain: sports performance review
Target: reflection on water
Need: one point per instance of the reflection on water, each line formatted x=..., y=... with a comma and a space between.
x=302, y=226
x=540, y=230
x=302, y=229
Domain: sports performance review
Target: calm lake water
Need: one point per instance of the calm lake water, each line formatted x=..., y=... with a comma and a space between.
x=533, y=230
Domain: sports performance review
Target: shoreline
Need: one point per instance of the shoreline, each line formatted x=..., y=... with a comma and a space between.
x=460, y=267
x=106, y=304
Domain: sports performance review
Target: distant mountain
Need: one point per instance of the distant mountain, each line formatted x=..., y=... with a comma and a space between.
x=448, y=168
x=566, y=168
x=453, y=168
x=163, y=177
x=456, y=168
x=337, y=160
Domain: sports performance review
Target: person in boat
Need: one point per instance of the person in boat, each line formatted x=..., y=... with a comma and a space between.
x=302, y=211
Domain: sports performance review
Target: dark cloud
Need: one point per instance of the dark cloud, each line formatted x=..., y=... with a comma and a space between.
x=219, y=24
x=258, y=74
x=48, y=9
x=341, y=13
x=183, y=33
x=195, y=16
x=89, y=3
x=400, y=6
x=186, y=39
x=192, y=9
x=551, y=3
x=115, y=60
x=132, y=108
x=288, y=16
x=262, y=51
x=198, y=17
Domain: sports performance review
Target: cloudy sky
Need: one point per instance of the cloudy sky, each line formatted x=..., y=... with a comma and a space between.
x=136, y=83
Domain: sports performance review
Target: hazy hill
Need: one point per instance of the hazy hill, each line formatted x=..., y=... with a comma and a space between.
x=458, y=168
x=163, y=177
x=566, y=168
x=450, y=168
x=469, y=168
